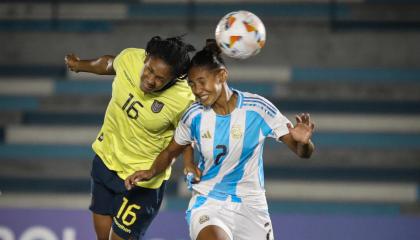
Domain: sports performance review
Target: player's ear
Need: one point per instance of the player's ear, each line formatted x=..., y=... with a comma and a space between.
x=223, y=75
x=146, y=58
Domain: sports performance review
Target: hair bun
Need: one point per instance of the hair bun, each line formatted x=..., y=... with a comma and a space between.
x=211, y=46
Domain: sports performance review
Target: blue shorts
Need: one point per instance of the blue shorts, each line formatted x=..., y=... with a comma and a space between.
x=132, y=211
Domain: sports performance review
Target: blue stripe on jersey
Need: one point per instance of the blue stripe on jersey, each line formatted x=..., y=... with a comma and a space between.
x=189, y=109
x=195, y=134
x=230, y=181
x=259, y=105
x=265, y=101
x=199, y=201
x=195, y=128
x=201, y=163
x=240, y=98
x=265, y=129
x=220, y=145
x=194, y=107
x=261, y=167
x=264, y=126
x=270, y=107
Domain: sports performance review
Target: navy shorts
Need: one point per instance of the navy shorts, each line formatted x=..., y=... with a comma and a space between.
x=132, y=211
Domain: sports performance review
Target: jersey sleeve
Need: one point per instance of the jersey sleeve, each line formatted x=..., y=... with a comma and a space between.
x=183, y=134
x=177, y=118
x=278, y=124
x=276, y=121
x=125, y=58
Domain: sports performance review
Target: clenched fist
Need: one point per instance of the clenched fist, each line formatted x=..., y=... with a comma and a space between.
x=72, y=62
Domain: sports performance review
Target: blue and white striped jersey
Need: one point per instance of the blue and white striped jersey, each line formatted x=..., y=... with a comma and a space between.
x=231, y=146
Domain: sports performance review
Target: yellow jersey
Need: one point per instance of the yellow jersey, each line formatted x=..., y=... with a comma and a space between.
x=138, y=126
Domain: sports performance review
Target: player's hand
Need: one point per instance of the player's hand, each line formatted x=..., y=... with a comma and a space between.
x=192, y=175
x=302, y=131
x=195, y=171
x=72, y=62
x=142, y=175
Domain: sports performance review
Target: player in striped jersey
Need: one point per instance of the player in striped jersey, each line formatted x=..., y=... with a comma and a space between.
x=228, y=128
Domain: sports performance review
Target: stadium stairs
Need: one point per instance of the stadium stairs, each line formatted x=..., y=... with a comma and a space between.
x=367, y=117
x=367, y=141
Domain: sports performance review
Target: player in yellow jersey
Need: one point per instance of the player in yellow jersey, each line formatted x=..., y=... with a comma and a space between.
x=148, y=98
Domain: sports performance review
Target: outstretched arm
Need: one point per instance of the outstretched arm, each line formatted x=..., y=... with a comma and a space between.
x=101, y=65
x=163, y=161
x=299, y=137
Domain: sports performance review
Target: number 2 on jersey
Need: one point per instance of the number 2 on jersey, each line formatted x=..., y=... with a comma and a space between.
x=220, y=155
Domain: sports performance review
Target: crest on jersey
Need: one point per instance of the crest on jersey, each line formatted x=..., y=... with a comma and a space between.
x=236, y=131
x=157, y=106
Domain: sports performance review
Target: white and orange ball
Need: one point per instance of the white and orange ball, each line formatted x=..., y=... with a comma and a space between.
x=240, y=34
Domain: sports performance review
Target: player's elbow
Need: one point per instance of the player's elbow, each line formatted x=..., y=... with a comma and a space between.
x=305, y=156
x=306, y=151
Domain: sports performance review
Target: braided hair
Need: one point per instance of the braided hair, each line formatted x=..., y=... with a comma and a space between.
x=209, y=56
x=173, y=51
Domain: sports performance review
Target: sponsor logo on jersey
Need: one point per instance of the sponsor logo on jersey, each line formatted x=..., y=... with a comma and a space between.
x=268, y=236
x=129, y=78
x=269, y=233
x=206, y=134
x=203, y=219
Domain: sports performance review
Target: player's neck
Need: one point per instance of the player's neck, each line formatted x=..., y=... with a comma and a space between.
x=226, y=102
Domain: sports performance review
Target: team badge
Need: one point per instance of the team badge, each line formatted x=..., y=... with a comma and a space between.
x=157, y=106
x=203, y=219
x=236, y=131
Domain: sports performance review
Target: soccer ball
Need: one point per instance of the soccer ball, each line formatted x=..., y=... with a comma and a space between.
x=240, y=34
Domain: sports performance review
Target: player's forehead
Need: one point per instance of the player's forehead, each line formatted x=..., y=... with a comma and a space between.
x=158, y=66
x=199, y=72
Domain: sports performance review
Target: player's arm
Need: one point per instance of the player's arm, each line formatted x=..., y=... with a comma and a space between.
x=299, y=137
x=189, y=164
x=163, y=161
x=102, y=65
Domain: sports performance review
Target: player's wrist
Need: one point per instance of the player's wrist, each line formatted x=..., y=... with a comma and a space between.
x=304, y=142
x=152, y=173
x=76, y=67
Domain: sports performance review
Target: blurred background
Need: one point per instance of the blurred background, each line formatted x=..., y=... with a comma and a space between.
x=353, y=64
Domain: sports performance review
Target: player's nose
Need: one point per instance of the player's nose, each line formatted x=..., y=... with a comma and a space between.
x=197, y=90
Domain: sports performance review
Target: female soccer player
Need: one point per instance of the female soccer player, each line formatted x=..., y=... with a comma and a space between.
x=228, y=127
x=148, y=99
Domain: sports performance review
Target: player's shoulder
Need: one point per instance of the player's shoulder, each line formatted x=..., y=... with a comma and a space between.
x=252, y=101
x=252, y=96
x=130, y=61
x=178, y=97
x=192, y=111
x=132, y=51
x=130, y=56
x=180, y=93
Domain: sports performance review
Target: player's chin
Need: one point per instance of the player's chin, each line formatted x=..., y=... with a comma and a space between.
x=146, y=89
x=206, y=103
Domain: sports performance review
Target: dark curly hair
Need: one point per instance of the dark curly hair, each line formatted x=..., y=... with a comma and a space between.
x=175, y=52
x=209, y=56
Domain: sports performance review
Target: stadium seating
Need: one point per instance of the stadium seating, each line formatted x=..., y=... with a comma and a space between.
x=363, y=96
